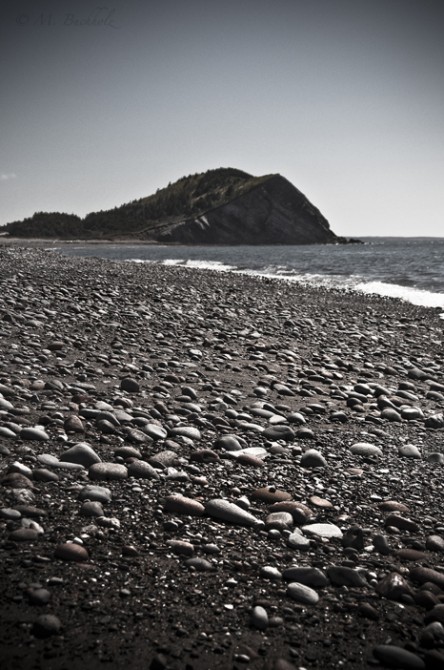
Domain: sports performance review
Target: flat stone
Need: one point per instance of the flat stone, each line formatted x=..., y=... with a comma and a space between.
x=279, y=432
x=99, y=471
x=409, y=451
x=423, y=575
x=190, y=432
x=327, y=530
x=270, y=494
x=402, y=523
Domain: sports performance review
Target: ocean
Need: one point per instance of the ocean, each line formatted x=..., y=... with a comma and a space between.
x=410, y=269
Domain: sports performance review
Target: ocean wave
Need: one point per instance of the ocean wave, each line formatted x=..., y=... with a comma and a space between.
x=410, y=294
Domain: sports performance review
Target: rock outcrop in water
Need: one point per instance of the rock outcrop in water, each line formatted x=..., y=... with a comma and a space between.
x=224, y=206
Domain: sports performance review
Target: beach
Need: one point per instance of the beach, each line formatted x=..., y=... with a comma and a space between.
x=209, y=470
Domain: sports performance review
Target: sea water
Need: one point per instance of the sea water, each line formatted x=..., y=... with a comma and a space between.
x=411, y=269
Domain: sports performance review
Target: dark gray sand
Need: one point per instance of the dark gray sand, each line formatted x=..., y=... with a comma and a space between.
x=205, y=470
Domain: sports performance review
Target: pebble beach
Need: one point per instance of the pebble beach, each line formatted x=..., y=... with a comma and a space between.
x=203, y=470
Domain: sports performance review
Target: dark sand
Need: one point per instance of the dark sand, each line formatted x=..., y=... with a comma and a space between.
x=163, y=371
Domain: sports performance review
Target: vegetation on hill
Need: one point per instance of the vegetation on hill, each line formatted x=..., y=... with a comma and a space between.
x=189, y=197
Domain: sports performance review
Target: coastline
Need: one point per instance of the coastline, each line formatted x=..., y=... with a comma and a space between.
x=214, y=386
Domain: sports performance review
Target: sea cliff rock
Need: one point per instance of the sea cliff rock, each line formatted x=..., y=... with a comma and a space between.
x=274, y=212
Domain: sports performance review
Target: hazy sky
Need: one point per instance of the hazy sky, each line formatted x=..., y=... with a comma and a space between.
x=104, y=103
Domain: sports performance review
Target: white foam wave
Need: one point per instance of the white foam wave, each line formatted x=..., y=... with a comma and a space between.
x=415, y=296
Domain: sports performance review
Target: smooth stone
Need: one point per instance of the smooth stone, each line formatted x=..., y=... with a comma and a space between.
x=24, y=535
x=432, y=635
x=227, y=443
x=44, y=475
x=435, y=543
x=190, y=432
x=391, y=415
x=99, y=471
x=327, y=530
x=200, y=564
x=279, y=432
x=270, y=572
x=279, y=520
x=259, y=618
x=224, y=510
x=129, y=385
x=312, y=458
x=365, y=449
x=423, y=575
x=302, y=594
x=269, y=494
x=154, y=431
x=181, y=547
x=435, y=614
x=322, y=503
x=70, y=551
x=91, y=508
x=180, y=504
x=73, y=424
x=29, y=433
x=142, y=470
x=309, y=576
x=297, y=541
x=400, y=522
x=38, y=596
x=340, y=575
x=82, y=454
x=409, y=451
x=164, y=458
x=6, y=432
x=397, y=657
x=46, y=625
x=95, y=493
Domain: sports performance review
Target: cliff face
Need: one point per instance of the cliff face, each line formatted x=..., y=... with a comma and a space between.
x=275, y=212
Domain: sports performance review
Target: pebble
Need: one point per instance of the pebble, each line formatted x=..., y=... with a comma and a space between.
x=33, y=434
x=99, y=471
x=80, y=453
x=365, y=449
x=224, y=510
x=309, y=576
x=323, y=530
x=98, y=493
x=70, y=551
x=46, y=625
x=259, y=618
x=340, y=575
x=397, y=657
x=180, y=504
x=302, y=594
x=312, y=458
x=142, y=470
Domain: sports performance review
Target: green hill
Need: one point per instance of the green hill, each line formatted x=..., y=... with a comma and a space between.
x=146, y=218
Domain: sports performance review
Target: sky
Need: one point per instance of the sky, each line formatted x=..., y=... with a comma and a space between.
x=105, y=102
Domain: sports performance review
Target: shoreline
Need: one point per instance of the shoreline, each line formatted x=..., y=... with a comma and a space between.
x=175, y=389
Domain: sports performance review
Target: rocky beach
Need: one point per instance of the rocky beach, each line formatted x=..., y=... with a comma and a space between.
x=203, y=470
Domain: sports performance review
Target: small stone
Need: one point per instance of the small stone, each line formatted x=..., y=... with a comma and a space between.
x=302, y=594
x=180, y=504
x=24, y=535
x=394, y=587
x=130, y=385
x=409, y=451
x=259, y=618
x=80, y=453
x=70, y=551
x=397, y=657
x=91, y=508
x=142, y=470
x=46, y=625
x=99, y=471
x=29, y=433
x=269, y=494
x=340, y=575
x=312, y=458
x=398, y=521
x=92, y=492
x=365, y=449
x=327, y=530
x=309, y=576
x=423, y=575
x=221, y=509
x=435, y=543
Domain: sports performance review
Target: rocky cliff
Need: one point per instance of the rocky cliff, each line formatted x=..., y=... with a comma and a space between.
x=222, y=206
x=274, y=212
